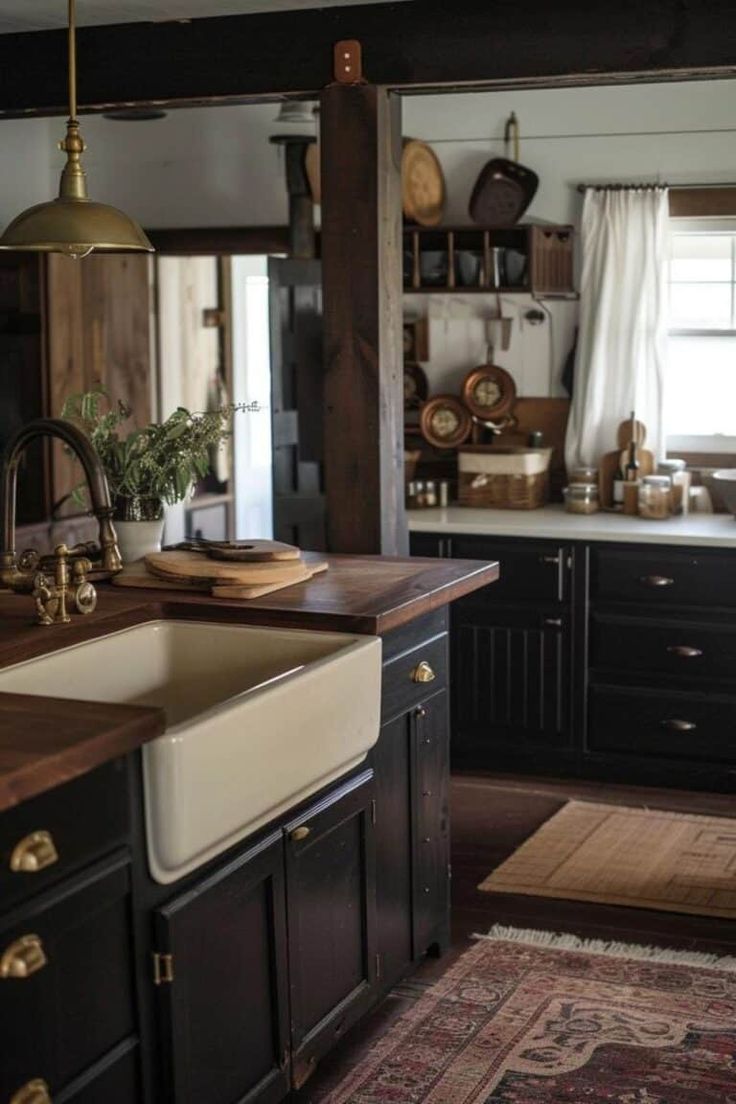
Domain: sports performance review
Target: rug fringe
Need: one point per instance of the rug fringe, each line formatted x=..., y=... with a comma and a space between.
x=560, y=941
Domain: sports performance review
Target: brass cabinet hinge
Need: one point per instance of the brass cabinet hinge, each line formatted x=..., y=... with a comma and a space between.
x=163, y=968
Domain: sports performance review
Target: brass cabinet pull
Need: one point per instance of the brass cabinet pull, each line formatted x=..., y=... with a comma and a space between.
x=553, y=622
x=551, y=560
x=423, y=673
x=657, y=581
x=33, y=853
x=674, y=724
x=300, y=833
x=22, y=958
x=33, y=1092
x=684, y=651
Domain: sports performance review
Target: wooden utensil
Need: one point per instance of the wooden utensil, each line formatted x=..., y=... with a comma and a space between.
x=261, y=591
x=611, y=462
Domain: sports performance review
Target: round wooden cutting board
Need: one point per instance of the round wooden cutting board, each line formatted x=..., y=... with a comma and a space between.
x=422, y=183
x=194, y=566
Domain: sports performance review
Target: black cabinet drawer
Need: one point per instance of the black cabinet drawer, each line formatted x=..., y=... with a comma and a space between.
x=664, y=577
x=684, y=648
x=413, y=676
x=667, y=724
x=49, y=837
x=76, y=1001
x=530, y=571
x=114, y=1080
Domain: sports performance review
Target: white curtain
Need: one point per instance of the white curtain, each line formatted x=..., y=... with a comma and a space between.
x=622, y=339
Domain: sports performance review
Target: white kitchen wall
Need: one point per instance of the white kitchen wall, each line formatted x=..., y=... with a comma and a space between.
x=215, y=166
x=683, y=133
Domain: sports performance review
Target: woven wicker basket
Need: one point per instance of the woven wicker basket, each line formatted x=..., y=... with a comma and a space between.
x=524, y=485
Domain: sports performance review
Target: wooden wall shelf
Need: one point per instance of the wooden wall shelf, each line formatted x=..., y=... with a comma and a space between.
x=511, y=260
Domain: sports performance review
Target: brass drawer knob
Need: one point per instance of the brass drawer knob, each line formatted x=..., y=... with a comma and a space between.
x=34, y=853
x=674, y=724
x=300, y=833
x=423, y=673
x=22, y=958
x=657, y=581
x=34, y=1092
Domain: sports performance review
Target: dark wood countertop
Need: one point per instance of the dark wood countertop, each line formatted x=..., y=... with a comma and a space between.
x=46, y=741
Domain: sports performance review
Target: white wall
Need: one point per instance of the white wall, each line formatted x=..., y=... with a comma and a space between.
x=682, y=133
x=215, y=166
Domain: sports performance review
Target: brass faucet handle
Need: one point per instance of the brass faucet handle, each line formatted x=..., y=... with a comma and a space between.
x=85, y=595
x=29, y=560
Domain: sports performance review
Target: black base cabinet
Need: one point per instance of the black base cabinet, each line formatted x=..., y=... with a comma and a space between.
x=607, y=661
x=229, y=986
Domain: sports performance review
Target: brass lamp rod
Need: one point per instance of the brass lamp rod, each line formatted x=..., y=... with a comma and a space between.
x=72, y=61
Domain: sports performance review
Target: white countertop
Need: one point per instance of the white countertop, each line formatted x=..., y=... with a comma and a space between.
x=554, y=523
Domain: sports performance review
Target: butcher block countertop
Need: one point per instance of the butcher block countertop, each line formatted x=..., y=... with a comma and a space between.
x=45, y=742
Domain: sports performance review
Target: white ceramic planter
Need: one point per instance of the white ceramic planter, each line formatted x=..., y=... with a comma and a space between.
x=137, y=538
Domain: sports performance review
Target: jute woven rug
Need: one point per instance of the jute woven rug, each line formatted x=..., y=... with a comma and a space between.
x=533, y=1018
x=644, y=858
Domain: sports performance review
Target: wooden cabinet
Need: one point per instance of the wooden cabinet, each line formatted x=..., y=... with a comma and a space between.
x=511, y=653
x=511, y=673
x=225, y=1013
x=412, y=769
x=331, y=888
x=612, y=661
x=67, y=992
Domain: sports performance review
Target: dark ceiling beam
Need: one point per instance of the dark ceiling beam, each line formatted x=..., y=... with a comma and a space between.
x=422, y=45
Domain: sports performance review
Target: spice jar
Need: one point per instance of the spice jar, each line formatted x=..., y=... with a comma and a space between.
x=655, y=497
x=581, y=498
x=679, y=480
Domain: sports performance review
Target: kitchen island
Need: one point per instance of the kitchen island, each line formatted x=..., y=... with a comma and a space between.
x=232, y=982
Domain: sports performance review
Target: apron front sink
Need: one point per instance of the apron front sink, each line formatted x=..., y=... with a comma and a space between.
x=257, y=720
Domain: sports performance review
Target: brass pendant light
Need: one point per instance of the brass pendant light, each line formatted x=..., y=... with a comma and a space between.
x=72, y=223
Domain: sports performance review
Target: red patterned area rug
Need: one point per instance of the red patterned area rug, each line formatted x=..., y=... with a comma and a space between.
x=533, y=1018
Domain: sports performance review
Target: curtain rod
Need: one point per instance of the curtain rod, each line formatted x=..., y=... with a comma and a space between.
x=651, y=186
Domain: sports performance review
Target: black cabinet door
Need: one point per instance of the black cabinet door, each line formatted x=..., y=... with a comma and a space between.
x=330, y=871
x=431, y=824
x=392, y=763
x=511, y=682
x=225, y=1013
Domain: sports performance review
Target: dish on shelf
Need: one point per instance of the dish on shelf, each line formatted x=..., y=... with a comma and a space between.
x=445, y=422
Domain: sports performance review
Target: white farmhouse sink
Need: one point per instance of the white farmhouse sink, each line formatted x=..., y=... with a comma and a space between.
x=258, y=719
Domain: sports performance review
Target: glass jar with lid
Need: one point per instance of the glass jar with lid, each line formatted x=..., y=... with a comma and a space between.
x=655, y=497
x=581, y=498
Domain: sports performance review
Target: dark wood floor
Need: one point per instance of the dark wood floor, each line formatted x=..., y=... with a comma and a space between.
x=491, y=816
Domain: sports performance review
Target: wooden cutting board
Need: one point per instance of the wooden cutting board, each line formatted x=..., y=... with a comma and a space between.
x=137, y=575
x=193, y=566
x=255, y=551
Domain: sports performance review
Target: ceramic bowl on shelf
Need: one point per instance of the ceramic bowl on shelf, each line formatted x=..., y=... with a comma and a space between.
x=724, y=481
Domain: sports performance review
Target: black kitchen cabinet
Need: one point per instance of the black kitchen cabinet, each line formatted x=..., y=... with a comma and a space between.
x=431, y=824
x=602, y=660
x=412, y=770
x=222, y=971
x=511, y=654
x=330, y=883
x=511, y=673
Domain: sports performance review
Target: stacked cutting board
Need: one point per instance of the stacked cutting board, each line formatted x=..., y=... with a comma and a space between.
x=232, y=569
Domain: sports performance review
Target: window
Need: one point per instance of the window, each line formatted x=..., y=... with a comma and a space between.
x=701, y=376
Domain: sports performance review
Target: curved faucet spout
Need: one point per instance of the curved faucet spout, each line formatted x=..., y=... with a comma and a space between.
x=96, y=481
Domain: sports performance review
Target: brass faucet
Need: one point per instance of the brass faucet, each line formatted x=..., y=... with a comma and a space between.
x=28, y=573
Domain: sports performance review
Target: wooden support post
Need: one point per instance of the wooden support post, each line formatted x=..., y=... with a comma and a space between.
x=361, y=277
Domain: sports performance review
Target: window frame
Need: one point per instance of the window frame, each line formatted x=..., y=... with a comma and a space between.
x=717, y=444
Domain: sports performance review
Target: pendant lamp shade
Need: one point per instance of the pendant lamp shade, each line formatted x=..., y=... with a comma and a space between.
x=72, y=223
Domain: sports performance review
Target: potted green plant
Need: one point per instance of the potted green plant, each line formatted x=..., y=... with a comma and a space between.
x=149, y=467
